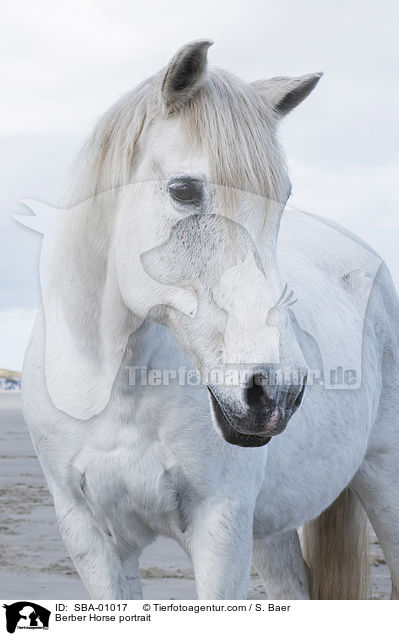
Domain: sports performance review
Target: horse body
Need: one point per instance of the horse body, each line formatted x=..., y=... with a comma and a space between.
x=154, y=459
x=147, y=464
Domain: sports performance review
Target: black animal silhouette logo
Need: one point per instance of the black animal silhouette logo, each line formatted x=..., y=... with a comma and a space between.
x=26, y=615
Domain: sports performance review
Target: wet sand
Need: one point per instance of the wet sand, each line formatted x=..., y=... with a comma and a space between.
x=33, y=560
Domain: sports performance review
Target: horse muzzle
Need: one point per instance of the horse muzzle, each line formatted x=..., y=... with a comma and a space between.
x=260, y=414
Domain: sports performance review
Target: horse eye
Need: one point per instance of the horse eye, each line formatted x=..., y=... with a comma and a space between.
x=186, y=192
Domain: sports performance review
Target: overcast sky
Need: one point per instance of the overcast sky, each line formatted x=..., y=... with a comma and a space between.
x=64, y=63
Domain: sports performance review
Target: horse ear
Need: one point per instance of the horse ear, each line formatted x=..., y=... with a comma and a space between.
x=185, y=73
x=285, y=93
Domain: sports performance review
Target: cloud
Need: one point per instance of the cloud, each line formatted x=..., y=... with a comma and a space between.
x=69, y=61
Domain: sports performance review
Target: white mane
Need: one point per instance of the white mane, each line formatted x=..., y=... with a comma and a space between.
x=235, y=122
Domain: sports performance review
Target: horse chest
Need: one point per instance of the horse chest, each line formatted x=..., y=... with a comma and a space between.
x=136, y=488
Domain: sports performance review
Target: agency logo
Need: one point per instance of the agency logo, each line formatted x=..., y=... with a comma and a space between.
x=234, y=297
x=26, y=615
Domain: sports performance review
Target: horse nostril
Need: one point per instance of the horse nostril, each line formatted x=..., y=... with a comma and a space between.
x=258, y=394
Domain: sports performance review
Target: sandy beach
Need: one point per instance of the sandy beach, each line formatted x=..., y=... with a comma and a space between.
x=33, y=560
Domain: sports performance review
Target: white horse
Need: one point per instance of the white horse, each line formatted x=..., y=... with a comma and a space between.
x=168, y=254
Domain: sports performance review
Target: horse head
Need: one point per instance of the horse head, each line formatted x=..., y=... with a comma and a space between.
x=213, y=218
x=181, y=192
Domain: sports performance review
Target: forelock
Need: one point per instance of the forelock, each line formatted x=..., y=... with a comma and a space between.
x=238, y=129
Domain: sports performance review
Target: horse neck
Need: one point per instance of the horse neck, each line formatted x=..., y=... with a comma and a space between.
x=150, y=348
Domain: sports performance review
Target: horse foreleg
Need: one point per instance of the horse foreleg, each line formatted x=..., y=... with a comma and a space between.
x=107, y=571
x=220, y=549
x=278, y=559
